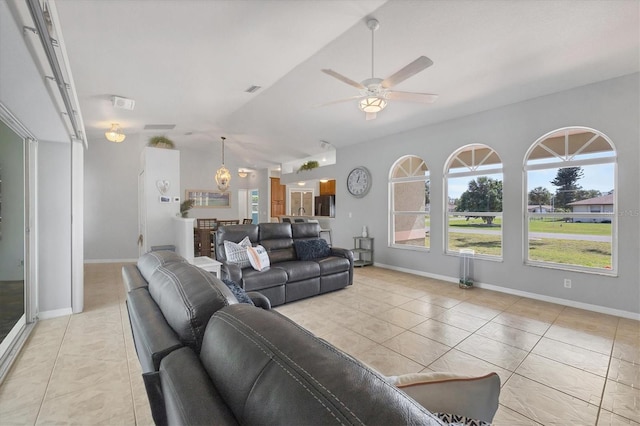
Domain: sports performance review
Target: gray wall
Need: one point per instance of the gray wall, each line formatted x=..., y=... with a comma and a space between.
x=610, y=107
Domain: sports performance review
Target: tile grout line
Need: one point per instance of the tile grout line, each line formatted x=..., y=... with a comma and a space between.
x=55, y=363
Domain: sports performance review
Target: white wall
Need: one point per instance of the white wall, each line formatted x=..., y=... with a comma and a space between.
x=610, y=106
x=54, y=225
x=111, y=199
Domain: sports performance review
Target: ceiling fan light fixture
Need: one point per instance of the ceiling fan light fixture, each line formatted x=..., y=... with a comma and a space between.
x=372, y=104
x=115, y=134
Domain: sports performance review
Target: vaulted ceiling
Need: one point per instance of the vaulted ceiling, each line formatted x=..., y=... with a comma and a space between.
x=189, y=62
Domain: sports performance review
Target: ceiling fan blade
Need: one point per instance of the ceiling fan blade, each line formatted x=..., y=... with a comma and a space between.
x=413, y=68
x=371, y=115
x=344, y=79
x=338, y=101
x=426, y=98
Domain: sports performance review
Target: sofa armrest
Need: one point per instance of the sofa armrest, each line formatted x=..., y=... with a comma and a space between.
x=347, y=254
x=340, y=252
x=132, y=278
x=188, y=393
x=232, y=272
x=153, y=337
x=259, y=299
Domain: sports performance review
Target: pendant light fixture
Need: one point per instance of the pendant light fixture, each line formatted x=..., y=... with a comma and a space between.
x=115, y=134
x=223, y=176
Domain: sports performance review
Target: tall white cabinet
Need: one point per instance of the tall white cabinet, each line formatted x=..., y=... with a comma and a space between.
x=158, y=197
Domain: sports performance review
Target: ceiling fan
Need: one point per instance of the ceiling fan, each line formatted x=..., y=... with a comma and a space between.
x=375, y=92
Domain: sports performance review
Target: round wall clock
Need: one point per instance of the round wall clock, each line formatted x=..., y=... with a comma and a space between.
x=359, y=181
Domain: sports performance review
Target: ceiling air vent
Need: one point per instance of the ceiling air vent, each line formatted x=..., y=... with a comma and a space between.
x=253, y=89
x=123, y=103
x=159, y=126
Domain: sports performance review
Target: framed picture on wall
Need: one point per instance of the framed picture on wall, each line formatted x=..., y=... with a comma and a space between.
x=205, y=198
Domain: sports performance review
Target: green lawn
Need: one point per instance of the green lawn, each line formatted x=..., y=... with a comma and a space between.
x=558, y=227
x=591, y=254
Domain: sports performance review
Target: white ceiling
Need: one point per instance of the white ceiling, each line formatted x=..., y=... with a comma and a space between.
x=188, y=63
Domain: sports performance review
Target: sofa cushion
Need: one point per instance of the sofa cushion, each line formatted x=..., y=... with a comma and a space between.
x=258, y=257
x=149, y=262
x=311, y=249
x=265, y=365
x=305, y=230
x=238, y=292
x=234, y=233
x=237, y=252
x=298, y=270
x=187, y=297
x=333, y=265
x=257, y=280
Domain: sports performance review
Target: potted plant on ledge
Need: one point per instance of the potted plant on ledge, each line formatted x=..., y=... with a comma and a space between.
x=308, y=165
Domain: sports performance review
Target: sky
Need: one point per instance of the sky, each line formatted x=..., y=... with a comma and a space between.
x=598, y=177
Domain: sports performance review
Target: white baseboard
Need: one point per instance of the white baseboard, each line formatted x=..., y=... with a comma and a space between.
x=557, y=300
x=111, y=260
x=54, y=313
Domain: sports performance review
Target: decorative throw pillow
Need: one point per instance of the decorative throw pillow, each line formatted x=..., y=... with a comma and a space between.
x=312, y=249
x=475, y=398
x=258, y=258
x=237, y=252
x=238, y=292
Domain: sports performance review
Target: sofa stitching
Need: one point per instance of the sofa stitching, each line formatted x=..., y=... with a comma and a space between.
x=335, y=351
x=185, y=301
x=289, y=359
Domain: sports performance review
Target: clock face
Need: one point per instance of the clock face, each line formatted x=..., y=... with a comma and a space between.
x=359, y=182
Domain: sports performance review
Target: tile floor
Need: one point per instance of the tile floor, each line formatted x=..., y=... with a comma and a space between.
x=558, y=365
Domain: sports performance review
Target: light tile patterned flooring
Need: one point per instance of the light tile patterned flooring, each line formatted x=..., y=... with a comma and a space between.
x=558, y=365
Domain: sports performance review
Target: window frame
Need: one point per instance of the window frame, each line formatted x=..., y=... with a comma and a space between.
x=612, y=215
x=471, y=170
x=393, y=213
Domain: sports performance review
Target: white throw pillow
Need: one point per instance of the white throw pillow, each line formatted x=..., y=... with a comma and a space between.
x=258, y=257
x=471, y=397
x=237, y=252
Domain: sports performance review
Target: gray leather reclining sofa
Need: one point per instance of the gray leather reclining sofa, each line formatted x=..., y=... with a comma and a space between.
x=288, y=278
x=207, y=359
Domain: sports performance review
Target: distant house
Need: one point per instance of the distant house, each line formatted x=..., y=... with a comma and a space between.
x=603, y=204
x=539, y=208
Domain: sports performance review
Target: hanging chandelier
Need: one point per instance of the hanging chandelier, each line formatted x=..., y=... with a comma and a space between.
x=223, y=176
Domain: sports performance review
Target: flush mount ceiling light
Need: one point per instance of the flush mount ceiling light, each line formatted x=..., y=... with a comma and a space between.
x=223, y=176
x=115, y=134
x=242, y=173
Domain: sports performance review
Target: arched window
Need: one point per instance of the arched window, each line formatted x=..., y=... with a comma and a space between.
x=473, y=185
x=570, y=176
x=409, y=196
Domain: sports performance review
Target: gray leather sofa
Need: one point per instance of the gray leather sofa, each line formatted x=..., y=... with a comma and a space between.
x=207, y=359
x=288, y=278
